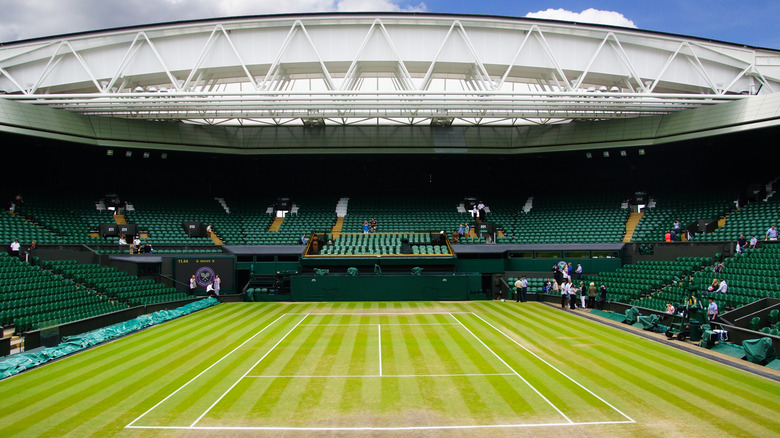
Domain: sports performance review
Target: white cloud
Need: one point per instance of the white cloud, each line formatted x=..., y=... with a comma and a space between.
x=590, y=15
x=37, y=18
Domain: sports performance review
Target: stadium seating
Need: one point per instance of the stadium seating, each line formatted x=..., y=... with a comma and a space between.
x=753, y=219
x=683, y=206
x=32, y=298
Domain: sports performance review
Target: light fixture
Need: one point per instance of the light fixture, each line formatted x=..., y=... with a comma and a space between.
x=129, y=154
x=606, y=154
x=641, y=152
x=110, y=152
x=623, y=153
x=146, y=154
x=588, y=155
x=163, y=155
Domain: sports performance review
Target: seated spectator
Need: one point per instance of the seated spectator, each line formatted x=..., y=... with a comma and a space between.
x=670, y=308
x=668, y=236
x=373, y=225
x=741, y=243
x=366, y=227
x=718, y=268
x=771, y=234
x=753, y=241
x=722, y=288
x=714, y=286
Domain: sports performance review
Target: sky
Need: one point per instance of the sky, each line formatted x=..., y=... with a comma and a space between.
x=749, y=22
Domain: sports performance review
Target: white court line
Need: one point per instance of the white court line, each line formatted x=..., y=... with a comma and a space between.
x=513, y=370
x=245, y=374
x=387, y=376
x=379, y=343
x=204, y=371
x=378, y=429
x=373, y=323
x=630, y=420
x=382, y=313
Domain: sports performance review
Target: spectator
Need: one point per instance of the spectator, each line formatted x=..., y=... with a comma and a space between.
x=547, y=288
x=217, y=284
x=753, y=241
x=523, y=290
x=668, y=236
x=573, y=290
x=33, y=247
x=365, y=227
x=193, y=285
x=741, y=243
x=475, y=213
x=466, y=229
x=718, y=268
x=15, y=248
x=712, y=310
x=373, y=225
x=209, y=230
x=602, y=297
x=583, y=298
x=455, y=236
x=771, y=234
x=714, y=286
x=670, y=308
x=722, y=288
x=677, y=227
x=461, y=230
x=565, y=289
x=673, y=236
x=592, y=295
x=303, y=240
x=554, y=287
x=578, y=271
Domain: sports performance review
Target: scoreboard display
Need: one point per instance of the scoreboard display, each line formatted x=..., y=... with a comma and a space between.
x=204, y=269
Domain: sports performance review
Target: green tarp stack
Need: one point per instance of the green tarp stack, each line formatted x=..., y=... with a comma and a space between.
x=631, y=315
x=649, y=322
x=71, y=344
x=760, y=351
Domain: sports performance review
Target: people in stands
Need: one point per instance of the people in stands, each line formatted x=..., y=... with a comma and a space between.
x=592, y=295
x=718, y=268
x=547, y=288
x=461, y=230
x=668, y=236
x=33, y=247
x=217, y=284
x=136, y=245
x=475, y=213
x=771, y=234
x=466, y=229
x=712, y=310
x=673, y=236
x=670, y=308
x=554, y=289
x=753, y=241
x=722, y=287
x=15, y=245
x=677, y=227
x=714, y=286
x=565, y=289
x=147, y=249
x=122, y=241
x=373, y=225
x=193, y=285
x=303, y=240
x=578, y=271
x=602, y=297
x=741, y=243
x=209, y=230
x=366, y=227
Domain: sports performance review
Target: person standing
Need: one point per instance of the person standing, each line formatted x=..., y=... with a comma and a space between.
x=582, y=295
x=518, y=285
x=573, y=296
x=523, y=289
x=771, y=234
x=217, y=284
x=741, y=243
x=365, y=227
x=373, y=225
x=592, y=295
x=602, y=297
x=578, y=271
x=565, y=288
x=753, y=241
x=712, y=310
x=15, y=248
x=193, y=285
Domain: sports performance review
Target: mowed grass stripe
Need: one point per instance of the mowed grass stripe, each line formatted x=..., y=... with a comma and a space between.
x=639, y=382
x=71, y=393
x=189, y=402
x=70, y=396
x=672, y=360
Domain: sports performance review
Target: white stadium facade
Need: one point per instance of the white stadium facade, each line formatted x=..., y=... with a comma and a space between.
x=261, y=90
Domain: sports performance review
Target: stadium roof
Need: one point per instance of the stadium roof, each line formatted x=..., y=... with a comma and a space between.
x=381, y=69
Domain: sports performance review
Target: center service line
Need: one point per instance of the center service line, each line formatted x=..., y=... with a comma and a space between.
x=246, y=373
x=513, y=370
x=379, y=330
x=204, y=371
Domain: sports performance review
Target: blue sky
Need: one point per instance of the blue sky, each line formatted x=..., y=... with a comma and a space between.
x=753, y=23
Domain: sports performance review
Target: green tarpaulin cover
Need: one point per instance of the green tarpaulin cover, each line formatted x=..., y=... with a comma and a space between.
x=631, y=315
x=71, y=344
x=649, y=322
x=760, y=351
